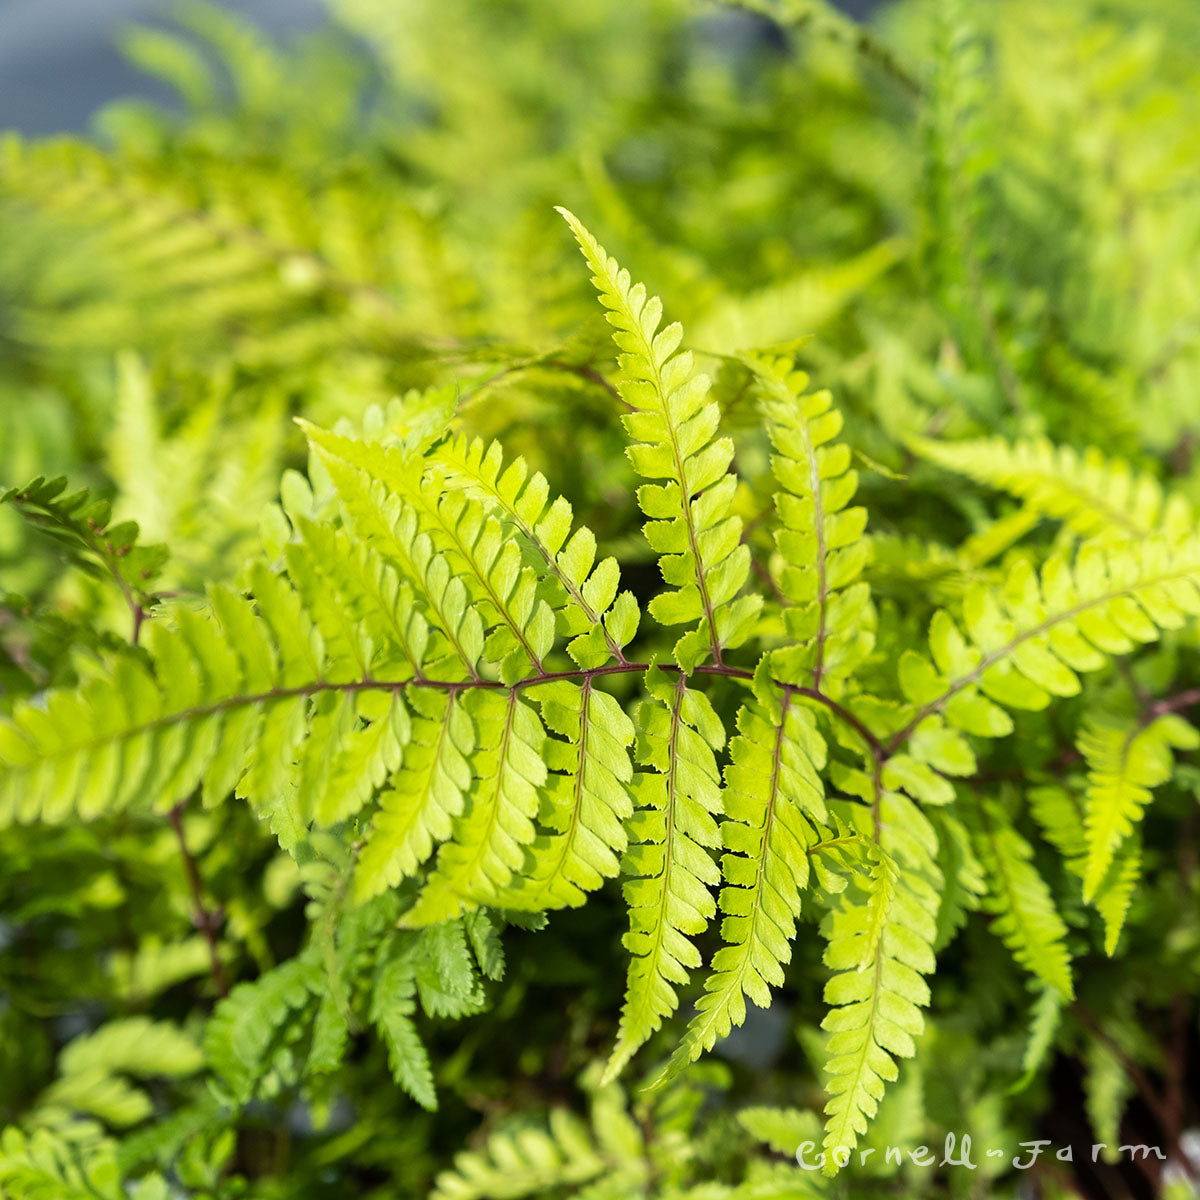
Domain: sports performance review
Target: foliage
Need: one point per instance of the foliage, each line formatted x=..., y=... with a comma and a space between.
x=453, y=745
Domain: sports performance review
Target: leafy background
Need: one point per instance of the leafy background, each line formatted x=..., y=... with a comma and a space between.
x=986, y=218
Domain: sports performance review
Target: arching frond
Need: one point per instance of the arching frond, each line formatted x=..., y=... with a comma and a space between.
x=599, y=621
x=1027, y=640
x=1091, y=494
x=690, y=516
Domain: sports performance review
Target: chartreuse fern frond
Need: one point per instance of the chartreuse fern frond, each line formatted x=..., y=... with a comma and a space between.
x=673, y=830
x=880, y=940
x=82, y=525
x=1026, y=918
x=1026, y=640
x=1125, y=759
x=782, y=1129
x=69, y=1164
x=586, y=802
x=219, y=707
x=487, y=846
x=774, y=804
x=674, y=423
x=250, y=1032
x=96, y=1072
x=417, y=810
x=1044, y=1021
x=828, y=613
x=607, y=1151
x=520, y=624
x=1060, y=814
x=1093, y=495
x=599, y=620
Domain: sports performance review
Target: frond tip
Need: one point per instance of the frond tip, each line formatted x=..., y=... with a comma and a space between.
x=673, y=422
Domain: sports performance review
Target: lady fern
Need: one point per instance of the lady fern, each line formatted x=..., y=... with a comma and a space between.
x=754, y=754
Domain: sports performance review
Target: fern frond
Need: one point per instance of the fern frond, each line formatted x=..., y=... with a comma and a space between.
x=379, y=517
x=880, y=942
x=489, y=565
x=93, y=1070
x=1091, y=494
x=393, y=1003
x=256, y=1021
x=829, y=616
x=673, y=831
x=690, y=516
x=1061, y=815
x=586, y=801
x=428, y=792
x=82, y=524
x=1125, y=759
x=1043, y=1026
x=599, y=621
x=565, y=1151
x=487, y=844
x=782, y=1129
x=68, y=1164
x=773, y=797
x=1028, y=639
x=1026, y=918
x=1107, y=1090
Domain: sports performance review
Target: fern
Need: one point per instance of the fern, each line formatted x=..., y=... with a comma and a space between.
x=599, y=621
x=561, y=1152
x=1060, y=813
x=691, y=522
x=773, y=798
x=1091, y=494
x=1124, y=763
x=1026, y=917
x=82, y=524
x=46, y=1164
x=427, y=714
x=1025, y=642
x=586, y=802
x=829, y=613
x=668, y=897
x=880, y=945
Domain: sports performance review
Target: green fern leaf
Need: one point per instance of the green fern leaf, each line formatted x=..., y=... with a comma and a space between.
x=1061, y=816
x=393, y=1003
x=254, y=1020
x=426, y=795
x=880, y=942
x=58, y=1165
x=773, y=796
x=564, y=1152
x=829, y=616
x=1026, y=641
x=1092, y=495
x=489, y=565
x=673, y=830
x=1043, y=1025
x=1026, y=918
x=598, y=621
x=586, y=801
x=82, y=525
x=487, y=844
x=690, y=516
x=1125, y=760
